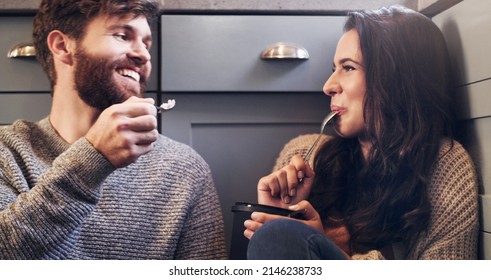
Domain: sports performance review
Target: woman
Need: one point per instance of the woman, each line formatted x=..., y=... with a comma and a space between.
x=391, y=183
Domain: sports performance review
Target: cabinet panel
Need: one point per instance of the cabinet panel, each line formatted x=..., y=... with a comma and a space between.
x=486, y=208
x=240, y=135
x=473, y=100
x=476, y=137
x=29, y=106
x=240, y=154
x=485, y=246
x=222, y=53
x=33, y=107
x=466, y=27
x=19, y=74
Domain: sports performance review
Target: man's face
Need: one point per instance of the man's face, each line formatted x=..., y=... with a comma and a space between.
x=112, y=61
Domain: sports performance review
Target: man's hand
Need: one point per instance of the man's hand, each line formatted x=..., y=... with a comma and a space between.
x=124, y=132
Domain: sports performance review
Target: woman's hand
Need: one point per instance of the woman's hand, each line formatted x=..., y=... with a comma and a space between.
x=283, y=188
x=310, y=218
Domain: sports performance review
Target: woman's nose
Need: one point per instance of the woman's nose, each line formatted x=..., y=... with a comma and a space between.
x=331, y=86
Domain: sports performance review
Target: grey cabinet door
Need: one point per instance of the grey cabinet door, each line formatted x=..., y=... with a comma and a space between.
x=222, y=53
x=240, y=135
x=27, y=106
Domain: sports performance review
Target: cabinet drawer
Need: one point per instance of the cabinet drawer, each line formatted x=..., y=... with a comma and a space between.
x=222, y=53
x=26, y=74
x=19, y=74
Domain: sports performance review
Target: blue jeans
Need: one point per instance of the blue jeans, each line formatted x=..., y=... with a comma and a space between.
x=285, y=239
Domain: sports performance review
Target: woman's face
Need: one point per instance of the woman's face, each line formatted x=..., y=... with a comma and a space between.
x=346, y=86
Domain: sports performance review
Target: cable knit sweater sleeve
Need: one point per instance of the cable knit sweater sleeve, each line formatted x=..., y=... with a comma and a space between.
x=40, y=216
x=298, y=146
x=453, y=229
x=454, y=221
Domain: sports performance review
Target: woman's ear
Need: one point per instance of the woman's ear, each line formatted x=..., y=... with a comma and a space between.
x=61, y=46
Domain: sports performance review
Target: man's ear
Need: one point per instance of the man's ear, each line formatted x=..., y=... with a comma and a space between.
x=61, y=46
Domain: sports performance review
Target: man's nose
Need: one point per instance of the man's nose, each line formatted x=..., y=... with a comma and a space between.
x=140, y=53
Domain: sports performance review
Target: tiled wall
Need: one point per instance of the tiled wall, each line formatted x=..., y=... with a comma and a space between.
x=467, y=29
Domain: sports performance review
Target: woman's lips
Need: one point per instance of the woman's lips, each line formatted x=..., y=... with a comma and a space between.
x=339, y=109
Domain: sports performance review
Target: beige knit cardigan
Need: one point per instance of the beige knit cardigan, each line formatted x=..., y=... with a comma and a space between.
x=453, y=192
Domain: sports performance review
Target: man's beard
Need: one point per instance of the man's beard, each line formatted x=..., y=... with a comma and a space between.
x=94, y=80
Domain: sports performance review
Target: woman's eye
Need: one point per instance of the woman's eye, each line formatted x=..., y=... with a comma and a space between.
x=348, y=68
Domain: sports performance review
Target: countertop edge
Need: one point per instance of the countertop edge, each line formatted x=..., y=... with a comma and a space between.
x=428, y=7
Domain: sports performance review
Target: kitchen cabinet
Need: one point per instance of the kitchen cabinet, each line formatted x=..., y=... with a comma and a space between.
x=234, y=108
x=221, y=53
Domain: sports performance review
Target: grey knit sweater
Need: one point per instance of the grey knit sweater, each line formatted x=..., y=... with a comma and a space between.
x=453, y=192
x=62, y=201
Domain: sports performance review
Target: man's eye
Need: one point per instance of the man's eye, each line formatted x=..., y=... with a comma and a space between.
x=121, y=36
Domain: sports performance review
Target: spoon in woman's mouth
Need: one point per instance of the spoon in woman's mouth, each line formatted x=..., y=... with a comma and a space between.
x=326, y=120
x=166, y=106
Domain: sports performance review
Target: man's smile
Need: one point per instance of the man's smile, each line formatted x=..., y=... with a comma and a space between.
x=129, y=73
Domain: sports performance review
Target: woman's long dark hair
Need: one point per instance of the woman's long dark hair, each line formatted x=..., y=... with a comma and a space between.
x=407, y=114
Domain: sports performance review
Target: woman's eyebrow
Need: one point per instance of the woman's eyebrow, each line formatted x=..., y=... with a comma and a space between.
x=344, y=60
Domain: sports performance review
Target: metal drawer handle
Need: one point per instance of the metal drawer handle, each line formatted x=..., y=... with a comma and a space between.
x=22, y=50
x=282, y=50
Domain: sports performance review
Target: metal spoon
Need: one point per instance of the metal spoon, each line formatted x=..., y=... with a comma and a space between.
x=326, y=120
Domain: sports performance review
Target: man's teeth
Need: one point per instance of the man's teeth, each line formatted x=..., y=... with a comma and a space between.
x=130, y=73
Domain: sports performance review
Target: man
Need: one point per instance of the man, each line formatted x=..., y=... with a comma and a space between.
x=95, y=180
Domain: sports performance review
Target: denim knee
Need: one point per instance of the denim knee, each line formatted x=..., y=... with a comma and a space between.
x=288, y=239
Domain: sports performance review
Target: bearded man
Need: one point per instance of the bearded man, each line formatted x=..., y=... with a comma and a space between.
x=95, y=180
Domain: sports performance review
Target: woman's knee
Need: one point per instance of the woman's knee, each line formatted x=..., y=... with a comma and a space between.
x=290, y=239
